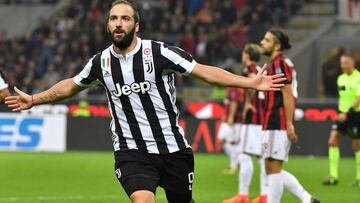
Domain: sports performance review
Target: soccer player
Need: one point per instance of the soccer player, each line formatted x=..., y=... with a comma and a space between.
x=278, y=126
x=4, y=91
x=138, y=75
x=348, y=121
x=251, y=134
x=229, y=131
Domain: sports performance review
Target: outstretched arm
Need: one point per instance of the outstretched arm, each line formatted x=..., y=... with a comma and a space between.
x=218, y=76
x=60, y=91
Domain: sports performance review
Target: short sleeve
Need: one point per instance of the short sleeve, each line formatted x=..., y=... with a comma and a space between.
x=179, y=60
x=289, y=70
x=3, y=84
x=87, y=78
x=246, y=71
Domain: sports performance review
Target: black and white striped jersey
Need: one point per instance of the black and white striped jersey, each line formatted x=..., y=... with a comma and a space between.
x=3, y=84
x=141, y=94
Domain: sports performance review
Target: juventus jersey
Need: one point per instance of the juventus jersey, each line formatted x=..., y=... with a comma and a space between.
x=3, y=84
x=141, y=94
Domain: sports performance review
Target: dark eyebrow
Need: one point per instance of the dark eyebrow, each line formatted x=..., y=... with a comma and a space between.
x=123, y=16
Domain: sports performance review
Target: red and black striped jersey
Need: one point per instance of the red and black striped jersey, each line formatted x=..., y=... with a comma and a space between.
x=238, y=95
x=274, y=106
x=257, y=100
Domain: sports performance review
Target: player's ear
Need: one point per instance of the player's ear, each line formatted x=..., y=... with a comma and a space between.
x=278, y=47
x=137, y=27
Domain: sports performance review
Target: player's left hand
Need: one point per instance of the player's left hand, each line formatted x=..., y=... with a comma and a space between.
x=266, y=83
x=293, y=138
x=22, y=101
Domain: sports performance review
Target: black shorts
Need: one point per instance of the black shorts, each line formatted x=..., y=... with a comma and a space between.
x=350, y=127
x=138, y=170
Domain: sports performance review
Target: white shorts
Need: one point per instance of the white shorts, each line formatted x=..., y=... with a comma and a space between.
x=276, y=144
x=251, y=139
x=229, y=133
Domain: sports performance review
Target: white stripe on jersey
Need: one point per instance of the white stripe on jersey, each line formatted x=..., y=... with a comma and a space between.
x=3, y=84
x=118, y=108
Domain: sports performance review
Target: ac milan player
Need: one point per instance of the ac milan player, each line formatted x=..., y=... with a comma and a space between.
x=278, y=127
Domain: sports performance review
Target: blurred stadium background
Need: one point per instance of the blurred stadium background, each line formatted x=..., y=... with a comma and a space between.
x=44, y=41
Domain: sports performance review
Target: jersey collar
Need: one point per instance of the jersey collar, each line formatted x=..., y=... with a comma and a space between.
x=131, y=53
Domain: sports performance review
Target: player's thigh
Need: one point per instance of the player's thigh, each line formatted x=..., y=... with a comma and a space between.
x=252, y=140
x=238, y=130
x=142, y=196
x=226, y=132
x=178, y=174
x=175, y=197
x=276, y=145
x=136, y=171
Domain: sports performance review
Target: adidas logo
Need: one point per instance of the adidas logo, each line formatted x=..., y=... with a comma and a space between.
x=106, y=74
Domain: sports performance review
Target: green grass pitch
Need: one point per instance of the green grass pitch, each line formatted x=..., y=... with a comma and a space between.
x=82, y=177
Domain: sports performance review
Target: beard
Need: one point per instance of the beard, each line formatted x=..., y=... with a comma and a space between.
x=125, y=41
x=267, y=53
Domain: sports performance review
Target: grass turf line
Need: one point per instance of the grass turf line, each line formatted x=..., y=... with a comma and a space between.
x=79, y=177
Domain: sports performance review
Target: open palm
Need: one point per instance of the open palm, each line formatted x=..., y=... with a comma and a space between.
x=265, y=83
x=22, y=101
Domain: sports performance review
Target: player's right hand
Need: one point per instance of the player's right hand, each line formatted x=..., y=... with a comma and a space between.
x=22, y=101
x=341, y=117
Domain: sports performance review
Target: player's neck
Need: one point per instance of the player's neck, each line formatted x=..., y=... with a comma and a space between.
x=275, y=55
x=131, y=47
x=350, y=71
x=249, y=63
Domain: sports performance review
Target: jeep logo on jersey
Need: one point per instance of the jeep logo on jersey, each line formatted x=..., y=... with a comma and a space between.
x=141, y=87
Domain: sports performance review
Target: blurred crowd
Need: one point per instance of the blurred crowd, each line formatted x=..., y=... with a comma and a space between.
x=213, y=31
x=16, y=2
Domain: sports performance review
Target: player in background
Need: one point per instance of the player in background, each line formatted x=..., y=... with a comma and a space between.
x=348, y=120
x=4, y=91
x=278, y=126
x=251, y=134
x=229, y=131
x=150, y=149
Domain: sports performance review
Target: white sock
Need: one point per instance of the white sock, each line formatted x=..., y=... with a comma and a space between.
x=226, y=148
x=293, y=185
x=229, y=150
x=245, y=173
x=263, y=177
x=234, y=157
x=275, y=189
